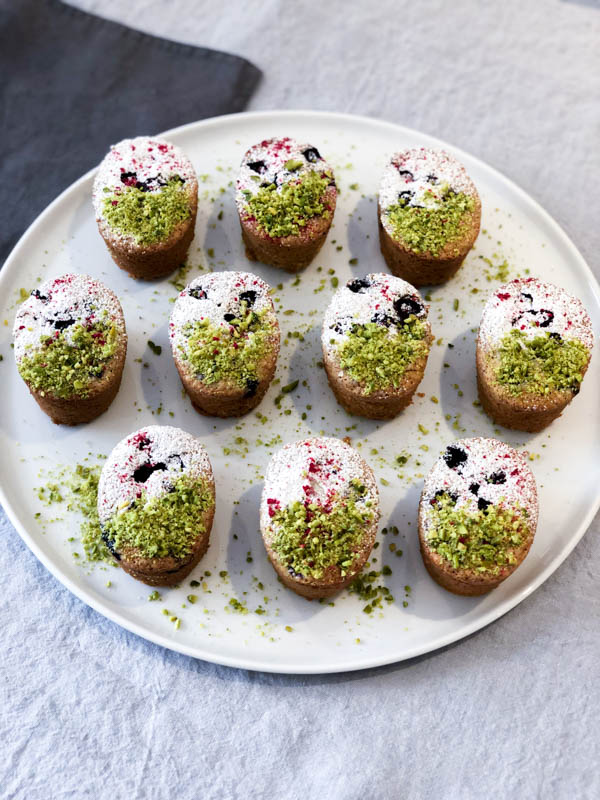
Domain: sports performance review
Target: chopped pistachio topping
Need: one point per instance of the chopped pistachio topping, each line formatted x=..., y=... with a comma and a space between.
x=541, y=365
x=479, y=540
x=377, y=358
x=233, y=353
x=167, y=525
x=427, y=229
x=66, y=367
x=84, y=498
x=148, y=217
x=285, y=211
x=310, y=539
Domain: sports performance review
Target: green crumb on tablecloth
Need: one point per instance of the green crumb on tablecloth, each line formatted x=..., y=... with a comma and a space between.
x=148, y=217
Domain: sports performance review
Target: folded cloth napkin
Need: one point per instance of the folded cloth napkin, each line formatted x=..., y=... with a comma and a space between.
x=73, y=84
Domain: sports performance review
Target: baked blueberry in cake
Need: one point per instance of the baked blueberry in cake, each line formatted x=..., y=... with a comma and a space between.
x=225, y=341
x=376, y=339
x=70, y=346
x=318, y=515
x=534, y=347
x=477, y=515
x=286, y=196
x=429, y=215
x=156, y=503
x=145, y=198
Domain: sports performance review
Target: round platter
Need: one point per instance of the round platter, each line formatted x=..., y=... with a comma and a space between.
x=290, y=634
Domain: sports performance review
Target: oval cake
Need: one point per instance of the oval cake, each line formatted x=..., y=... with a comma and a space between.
x=429, y=215
x=477, y=515
x=146, y=198
x=318, y=515
x=70, y=346
x=533, y=349
x=376, y=339
x=156, y=503
x=286, y=196
x=225, y=341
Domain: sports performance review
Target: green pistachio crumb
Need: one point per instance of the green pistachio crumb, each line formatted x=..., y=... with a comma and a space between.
x=148, y=217
x=377, y=357
x=427, y=229
x=540, y=365
x=156, y=348
x=482, y=540
x=66, y=367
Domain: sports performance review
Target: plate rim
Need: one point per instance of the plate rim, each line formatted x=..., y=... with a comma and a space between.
x=87, y=595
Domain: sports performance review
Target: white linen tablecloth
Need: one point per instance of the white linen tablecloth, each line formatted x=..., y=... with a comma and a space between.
x=89, y=710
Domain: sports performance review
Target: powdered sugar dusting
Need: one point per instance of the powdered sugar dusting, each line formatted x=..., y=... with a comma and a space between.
x=368, y=299
x=171, y=451
x=314, y=471
x=264, y=164
x=417, y=177
x=58, y=305
x=210, y=297
x=534, y=307
x=492, y=473
x=145, y=160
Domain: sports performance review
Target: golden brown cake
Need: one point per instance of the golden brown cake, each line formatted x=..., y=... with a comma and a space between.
x=318, y=515
x=70, y=346
x=156, y=503
x=146, y=198
x=375, y=341
x=225, y=341
x=286, y=197
x=477, y=515
x=429, y=215
x=533, y=349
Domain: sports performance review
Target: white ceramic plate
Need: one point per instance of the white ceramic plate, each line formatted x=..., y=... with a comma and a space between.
x=323, y=638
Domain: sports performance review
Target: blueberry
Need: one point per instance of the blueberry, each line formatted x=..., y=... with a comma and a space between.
x=175, y=461
x=144, y=441
x=483, y=504
x=109, y=543
x=311, y=154
x=229, y=317
x=358, y=285
x=142, y=473
x=405, y=197
x=443, y=493
x=454, y=456
x=197, y=292
x=126, y=177
x=406, y=173
x=341, y=326
x=61, y=324
x=41, y=297
x=474, y=488
x=248, y=297
x=407, y=306
x=528, y=296
x=251, y=387
x=497, y=477
x=556, y=336
x=575, y=388
x=383, y=319
x=432, y=179
x=548, y=317
x=257, y=166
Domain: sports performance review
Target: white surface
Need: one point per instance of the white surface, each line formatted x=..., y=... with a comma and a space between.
x=324, y=638
x=512, y=712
